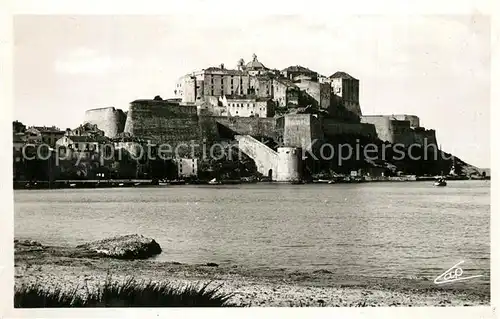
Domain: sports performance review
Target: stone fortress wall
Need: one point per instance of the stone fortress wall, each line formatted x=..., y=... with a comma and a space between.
x=283, y=165
x=403, y=129
x=253, y=126
x=108, y=119
x=166, y=122
x=265, y=158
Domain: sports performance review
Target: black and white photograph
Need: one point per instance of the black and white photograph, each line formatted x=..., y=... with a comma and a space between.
x=251, y=160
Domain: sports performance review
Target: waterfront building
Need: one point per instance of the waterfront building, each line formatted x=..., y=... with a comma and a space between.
x=43, y=134
x=187, y=167
x=19, y=140
x=82, y=143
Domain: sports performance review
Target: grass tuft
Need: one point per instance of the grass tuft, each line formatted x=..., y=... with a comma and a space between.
x=129, y=293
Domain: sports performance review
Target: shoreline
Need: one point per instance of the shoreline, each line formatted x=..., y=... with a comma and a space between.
x=78, y=184
x=263, y=286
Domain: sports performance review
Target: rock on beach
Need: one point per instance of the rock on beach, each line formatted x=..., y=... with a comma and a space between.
x=124, y=247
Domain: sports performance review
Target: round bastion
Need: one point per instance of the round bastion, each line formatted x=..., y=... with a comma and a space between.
x=289, y=164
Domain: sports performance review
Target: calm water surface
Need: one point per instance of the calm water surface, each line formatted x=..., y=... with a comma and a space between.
x=373, y=229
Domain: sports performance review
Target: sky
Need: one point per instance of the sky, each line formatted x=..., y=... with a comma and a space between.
x=435, y=67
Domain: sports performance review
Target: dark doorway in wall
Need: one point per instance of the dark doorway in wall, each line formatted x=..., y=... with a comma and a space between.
x=270, y=174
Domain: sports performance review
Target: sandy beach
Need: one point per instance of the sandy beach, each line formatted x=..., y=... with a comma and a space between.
x=51, y=266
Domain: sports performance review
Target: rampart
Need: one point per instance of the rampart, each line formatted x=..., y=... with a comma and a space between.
x=265, y=158
x=400, y=129
x=300, y=130
x=320, y=92
x=283, y=165
x=253, y=126
x=414, y=120
x=425, y=137
x=108, y=119
x=332, y=128
x=382, y=126
x=170, y=123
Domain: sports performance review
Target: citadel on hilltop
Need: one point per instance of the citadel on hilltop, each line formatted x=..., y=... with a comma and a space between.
x=294, y=106
x=216, y=89
x=294, y=110
x=252, y=90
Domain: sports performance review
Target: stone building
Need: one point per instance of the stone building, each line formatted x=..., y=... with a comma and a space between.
x=218, y=81
x=248, y=106
x=250, y=78
x=187, y=89
x=413, y=119
x=82, y=143
x=108, y=119
x=18, y=140
x=346, y=91
x=255, y=67
x=86, y=129
x=299, y=72
x=187, y=167
x=285, y=92
x=43, y=134
x=403, y=129
x=320, y=92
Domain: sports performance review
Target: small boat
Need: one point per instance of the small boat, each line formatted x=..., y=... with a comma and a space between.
x=121, y=184
x=440, y=182
x=213, y=182
x=72, y=185
x=137, y=184
x=323, y=181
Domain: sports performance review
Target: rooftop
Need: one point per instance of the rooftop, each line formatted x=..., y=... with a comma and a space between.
x=45, y=129
x=298, y=68
x=223, y=70
x=155, y=101
x=79, y=139
x=285, y=81
x=342, y=75
x=255, y=64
